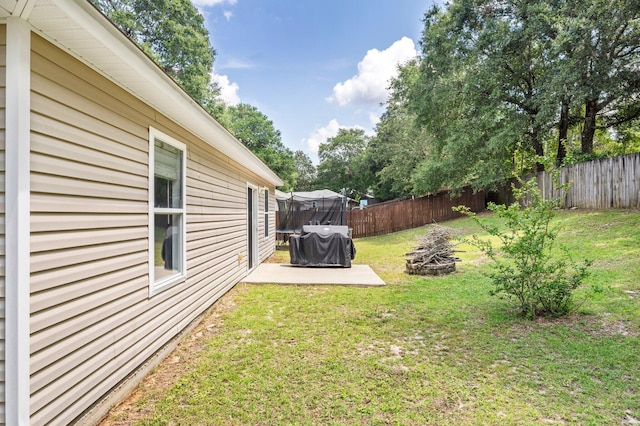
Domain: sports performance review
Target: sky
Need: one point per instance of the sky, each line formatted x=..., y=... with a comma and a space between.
x=312, y=66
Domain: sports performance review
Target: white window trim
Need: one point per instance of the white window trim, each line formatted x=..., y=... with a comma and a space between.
x=158, y=287
x=255, y=213
x=266, y=214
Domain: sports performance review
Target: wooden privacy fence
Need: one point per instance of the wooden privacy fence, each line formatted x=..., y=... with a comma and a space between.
x=398, y=215
x=601, y=184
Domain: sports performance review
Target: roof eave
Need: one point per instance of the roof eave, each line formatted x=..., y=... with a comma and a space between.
x=84, y=32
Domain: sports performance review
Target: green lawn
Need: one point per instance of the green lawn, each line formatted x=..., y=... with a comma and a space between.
x=423, y=350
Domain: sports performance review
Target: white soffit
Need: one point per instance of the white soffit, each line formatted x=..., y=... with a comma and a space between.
x=78, y=28
x=7, y=7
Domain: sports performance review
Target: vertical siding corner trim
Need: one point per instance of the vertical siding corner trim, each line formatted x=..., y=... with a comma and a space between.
x=17, y=193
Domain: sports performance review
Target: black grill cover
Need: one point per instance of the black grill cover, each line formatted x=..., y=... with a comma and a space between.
x=322, y=246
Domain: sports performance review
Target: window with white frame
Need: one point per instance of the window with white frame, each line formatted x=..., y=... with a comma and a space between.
x=167, y=187
x=266, y=213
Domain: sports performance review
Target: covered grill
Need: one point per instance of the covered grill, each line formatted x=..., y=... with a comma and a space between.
x=322, y=245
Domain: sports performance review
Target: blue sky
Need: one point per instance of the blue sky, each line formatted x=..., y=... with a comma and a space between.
x=312, y=66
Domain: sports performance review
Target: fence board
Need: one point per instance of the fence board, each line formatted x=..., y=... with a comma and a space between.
x=598, y=185
x=398, y=215
x=601, y=184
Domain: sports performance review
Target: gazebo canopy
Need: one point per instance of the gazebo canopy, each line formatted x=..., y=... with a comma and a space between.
x=320, y=207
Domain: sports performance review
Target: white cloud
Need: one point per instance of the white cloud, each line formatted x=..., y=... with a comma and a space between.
x=228, y=90
x=312, y=143
x=320, y=136
x=375, y=71
x=228, y=14
x=235, y=64
x=207, y=3
x=374, y=118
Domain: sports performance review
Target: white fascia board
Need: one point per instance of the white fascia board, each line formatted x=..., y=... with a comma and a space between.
x=17, y=216
x=138, y=74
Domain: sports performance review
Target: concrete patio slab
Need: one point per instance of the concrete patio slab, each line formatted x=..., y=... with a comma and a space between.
x=276, y=273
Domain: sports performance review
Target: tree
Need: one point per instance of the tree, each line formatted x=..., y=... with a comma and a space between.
x=399, y=144
x=473, y=115
x=597, y=57
x=511, y=44
x=506, y=43
x=343, y=167
x=173, y=34
x=499, y=80
x=256, y=132
x=393, y=154
x=627, y=140
x=306, y=173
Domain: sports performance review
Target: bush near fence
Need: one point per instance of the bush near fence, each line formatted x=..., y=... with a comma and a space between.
x=398, y=215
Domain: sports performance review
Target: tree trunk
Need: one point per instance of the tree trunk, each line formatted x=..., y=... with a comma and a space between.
x=563, y=131
x=589, y=128
x=537, y=146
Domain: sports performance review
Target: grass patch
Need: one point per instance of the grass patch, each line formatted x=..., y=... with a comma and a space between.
x=420, y=350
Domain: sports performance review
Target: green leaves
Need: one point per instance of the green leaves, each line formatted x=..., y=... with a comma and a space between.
x=257, y=132
x=173, y=34
x=306, y=173
x=343, y=166
x=399, y=145
x=526, y=266
x=502, y=83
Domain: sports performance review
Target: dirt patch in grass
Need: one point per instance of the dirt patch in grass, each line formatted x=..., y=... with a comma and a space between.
x=139, y=404
x=617, y=328
x=590, y=324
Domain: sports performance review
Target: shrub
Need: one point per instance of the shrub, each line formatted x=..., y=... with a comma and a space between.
x=526, y=266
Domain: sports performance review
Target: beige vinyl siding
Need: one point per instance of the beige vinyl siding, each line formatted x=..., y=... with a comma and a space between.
x=92, y=320
x=89, y=232
x=267, y=245
x=270, y=243
x=3, y=57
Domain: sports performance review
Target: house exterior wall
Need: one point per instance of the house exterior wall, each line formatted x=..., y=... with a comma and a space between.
x=92, y=319
x=2, y=221
x=267, y=244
